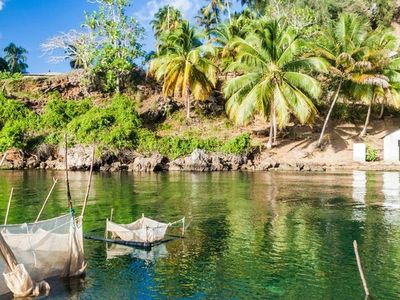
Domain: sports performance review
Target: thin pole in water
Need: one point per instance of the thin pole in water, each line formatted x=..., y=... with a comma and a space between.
x=8, y=206
x=360, y=269
x=89, y=183
x=46, y=200
x=3, y=158
x=69, y=198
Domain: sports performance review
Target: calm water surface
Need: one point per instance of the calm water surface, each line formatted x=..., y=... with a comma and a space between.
x=252, y=235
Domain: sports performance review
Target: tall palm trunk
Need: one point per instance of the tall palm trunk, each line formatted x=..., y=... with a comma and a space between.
x=271, y=132
x=228, y=8
x=382, y=109
x=187, y=100
x=364, y=131
x=275, y=126
x=329, y=113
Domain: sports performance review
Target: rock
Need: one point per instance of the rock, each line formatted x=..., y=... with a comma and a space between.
x=79, y=157
x=154, y=163
x=32, y=162
x=15, y=159
x=199, y=160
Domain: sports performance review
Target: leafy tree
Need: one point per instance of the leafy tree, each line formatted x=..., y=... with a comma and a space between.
x=184, y=66
x=118, y=39
x=166, y=19
x=16, y=58
x=344, y=45
x=272, y=81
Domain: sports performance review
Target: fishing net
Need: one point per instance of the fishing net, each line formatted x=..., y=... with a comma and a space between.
x=51, y=248
x=144, y=230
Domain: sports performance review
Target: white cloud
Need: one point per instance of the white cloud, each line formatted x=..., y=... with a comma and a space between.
x=1, y=4
x=188, y=8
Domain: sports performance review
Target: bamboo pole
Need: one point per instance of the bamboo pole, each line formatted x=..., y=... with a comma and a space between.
x=3, y=158
x=69, y=198
x=89, y=183
x=46, y=200
x=360, y=269
x=8, y=206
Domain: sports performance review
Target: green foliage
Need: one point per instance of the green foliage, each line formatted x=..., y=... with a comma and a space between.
x=17, y=123
x=372, y=154
x=174, y=146
x=58, y=112
x=115, y=125
x=237, y=145
x=5, y=75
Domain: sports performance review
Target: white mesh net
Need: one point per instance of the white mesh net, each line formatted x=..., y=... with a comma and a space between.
x=48, y=248
x=144, y=230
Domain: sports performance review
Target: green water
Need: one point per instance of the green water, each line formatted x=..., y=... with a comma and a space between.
x=252, y=235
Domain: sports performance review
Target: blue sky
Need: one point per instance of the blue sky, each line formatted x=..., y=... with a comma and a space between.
x=29, y=23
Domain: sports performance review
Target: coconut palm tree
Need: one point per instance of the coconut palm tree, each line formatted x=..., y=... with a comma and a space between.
x=166, y=19
x=183, y=65
x=272, y=81
x=384, y=62
x=16, y=58
x=207, y=18
x=344, y=45
x=3, y=65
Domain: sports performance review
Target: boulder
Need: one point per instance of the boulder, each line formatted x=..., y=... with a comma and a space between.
x=156, y=162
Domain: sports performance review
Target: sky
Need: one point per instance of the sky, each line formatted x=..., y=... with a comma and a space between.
x=29, y=23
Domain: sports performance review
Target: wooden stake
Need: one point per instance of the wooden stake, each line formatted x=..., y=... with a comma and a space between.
x=89, y=183
x=47, y=199
x=3, y=158
x=111, y=215
x=69, y=198
x=360, y=269
x=8, y=206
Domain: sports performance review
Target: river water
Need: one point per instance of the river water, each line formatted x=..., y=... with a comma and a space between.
x=252, y=235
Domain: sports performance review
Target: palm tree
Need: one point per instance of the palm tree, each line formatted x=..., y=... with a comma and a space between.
x=272, y=83
x=166, y=19
x=184, y=66
x=343, y=45
x=207, y=18
x=3, y=65
x=16, y=58
x=381, y=54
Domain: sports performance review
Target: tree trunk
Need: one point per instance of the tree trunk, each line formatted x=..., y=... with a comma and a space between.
x=329, y=113
x=275, y=127
x=229, y=11
x=187, y=95
x=271, y=132
x=364, y=131
x=382, y=109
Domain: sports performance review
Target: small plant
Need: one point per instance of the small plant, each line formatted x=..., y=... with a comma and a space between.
x=372, y=154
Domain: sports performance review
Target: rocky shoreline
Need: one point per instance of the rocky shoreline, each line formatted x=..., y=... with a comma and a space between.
x=79, y=159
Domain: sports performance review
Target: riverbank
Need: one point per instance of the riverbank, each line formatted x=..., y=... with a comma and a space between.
x=79, y=159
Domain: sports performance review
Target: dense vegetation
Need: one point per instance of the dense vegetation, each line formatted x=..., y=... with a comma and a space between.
x=281, y=60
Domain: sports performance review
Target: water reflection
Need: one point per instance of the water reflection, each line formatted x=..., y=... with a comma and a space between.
x=150, y=256
x=391, y=189
x=359, y=186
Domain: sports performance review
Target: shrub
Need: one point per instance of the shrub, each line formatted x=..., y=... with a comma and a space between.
x=58, y=112
x=238, y=145
x=17, y=123
x=8, y=75
x=115, y=125
x=174, y=146
x=372, y=154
